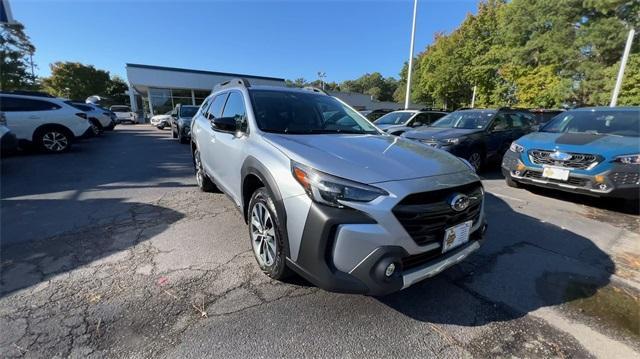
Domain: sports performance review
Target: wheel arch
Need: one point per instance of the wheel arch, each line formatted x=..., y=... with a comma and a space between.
x=255, y=175
x=46, y=126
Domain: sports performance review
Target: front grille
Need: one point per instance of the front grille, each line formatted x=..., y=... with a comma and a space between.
x=426, y=215
x=622, y=178
x=577, y=160
x=574, y=181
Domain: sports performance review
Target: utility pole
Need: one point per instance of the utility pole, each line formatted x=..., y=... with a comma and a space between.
x=413, y=35
x=623, y=63
x=473, y=98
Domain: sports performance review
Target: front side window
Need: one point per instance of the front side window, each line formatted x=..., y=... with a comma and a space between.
x=394, y=118
x=465, y=120
x=608, y=122
x=15, y=104
x=215, y=110
x=305, y=113
x=235, y=106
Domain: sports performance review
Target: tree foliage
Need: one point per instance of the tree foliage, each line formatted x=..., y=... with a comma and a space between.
x=75, y=80
x=15, y=49
x=374, y=84
x=533, y=53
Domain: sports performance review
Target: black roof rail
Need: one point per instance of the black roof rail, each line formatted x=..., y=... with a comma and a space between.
x=27, y=93
x=235, y=82
x=433, y=109
x=315, y=89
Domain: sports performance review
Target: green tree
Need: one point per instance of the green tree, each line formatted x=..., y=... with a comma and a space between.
x=76, y=81
x=15, y=51
x=115, y=92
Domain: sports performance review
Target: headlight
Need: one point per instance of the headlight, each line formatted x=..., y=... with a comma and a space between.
x=516, y=148
x=629, y=159
x=330, y=190
x=450, y=141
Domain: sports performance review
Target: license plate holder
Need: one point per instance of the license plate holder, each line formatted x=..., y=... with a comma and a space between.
x=561, y=174
x=456, y=236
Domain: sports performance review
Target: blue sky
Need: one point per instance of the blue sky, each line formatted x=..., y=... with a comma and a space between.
x=288, y=39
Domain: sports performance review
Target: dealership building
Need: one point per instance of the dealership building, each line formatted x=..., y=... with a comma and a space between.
x=158, y=89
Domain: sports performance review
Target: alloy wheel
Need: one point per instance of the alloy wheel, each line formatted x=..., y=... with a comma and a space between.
x=199, y=170
x=55, y=141
x=263, y=235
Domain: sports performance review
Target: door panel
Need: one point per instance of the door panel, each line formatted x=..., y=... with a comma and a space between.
x=232, y=146
x=207, y=142
x=498, y=134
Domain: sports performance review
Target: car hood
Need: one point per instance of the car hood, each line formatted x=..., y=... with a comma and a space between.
x=434, y=133
x=605, y=145
x=367, y=158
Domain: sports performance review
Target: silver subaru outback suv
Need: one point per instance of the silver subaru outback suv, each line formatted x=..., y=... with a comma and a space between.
x=331, y=197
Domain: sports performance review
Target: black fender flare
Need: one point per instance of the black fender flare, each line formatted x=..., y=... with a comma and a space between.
x=252, y=166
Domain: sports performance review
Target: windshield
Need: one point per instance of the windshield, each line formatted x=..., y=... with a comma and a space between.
x=120, y=109
x=465, y=120
x=606, y=122
x=394, y=118
x=306, y=113
x=188, y=111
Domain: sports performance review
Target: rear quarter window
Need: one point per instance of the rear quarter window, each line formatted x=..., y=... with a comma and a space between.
x=16, y=104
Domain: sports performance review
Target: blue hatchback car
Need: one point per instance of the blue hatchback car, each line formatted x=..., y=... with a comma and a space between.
x=594, y=151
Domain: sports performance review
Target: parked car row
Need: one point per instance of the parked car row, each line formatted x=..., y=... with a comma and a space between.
x=51, y=124
x=343, y=202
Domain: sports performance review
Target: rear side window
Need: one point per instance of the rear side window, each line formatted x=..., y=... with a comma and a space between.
x=16, y=104
x=216, y=106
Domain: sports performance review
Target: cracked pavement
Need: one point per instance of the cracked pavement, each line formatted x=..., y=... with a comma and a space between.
x=115, y=253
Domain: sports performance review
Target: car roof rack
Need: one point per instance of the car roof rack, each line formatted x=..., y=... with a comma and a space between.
x=28, y=93
x=433, y=109
x=315, y=89
x=235, y=82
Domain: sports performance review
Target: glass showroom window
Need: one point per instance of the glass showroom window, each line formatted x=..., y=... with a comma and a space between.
x=181, y=96
x=160, y=100
x=200, y=96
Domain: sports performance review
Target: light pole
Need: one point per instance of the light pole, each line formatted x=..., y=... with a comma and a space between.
x=413, y=35
x=623, y=63
x=473, y=98
x=322, y=76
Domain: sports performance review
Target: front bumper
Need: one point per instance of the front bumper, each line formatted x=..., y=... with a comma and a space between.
x=618, y=181
x=348, y=250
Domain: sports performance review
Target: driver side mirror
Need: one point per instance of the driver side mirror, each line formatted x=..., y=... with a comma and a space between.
x=224, y=124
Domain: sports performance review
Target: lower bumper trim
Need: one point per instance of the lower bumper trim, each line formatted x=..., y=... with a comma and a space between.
x=417, y=275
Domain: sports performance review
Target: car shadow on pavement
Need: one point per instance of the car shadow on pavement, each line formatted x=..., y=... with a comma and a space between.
x=106, y=240
x=618, y=205
x=523, y=265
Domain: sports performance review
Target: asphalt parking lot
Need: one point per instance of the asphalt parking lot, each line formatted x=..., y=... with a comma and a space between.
x=111, y=251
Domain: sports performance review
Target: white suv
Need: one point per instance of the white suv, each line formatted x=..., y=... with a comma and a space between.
x=124, y=114
x=328, y=195
x=48, y=122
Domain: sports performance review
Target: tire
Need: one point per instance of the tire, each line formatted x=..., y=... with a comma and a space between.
x=511, y=183
x=475, y=159
x=173, y=133
x=96, y=128
x=53, y=139
x=268, y=244
x=160, y=127
x=204, y=182
x=182, y=139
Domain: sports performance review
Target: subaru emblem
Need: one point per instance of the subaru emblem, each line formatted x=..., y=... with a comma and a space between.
x=459, y=202
x=560, y=156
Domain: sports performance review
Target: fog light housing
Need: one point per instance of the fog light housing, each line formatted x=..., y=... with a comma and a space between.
x=599, y=179
x=520, y=167
x=391, y=268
